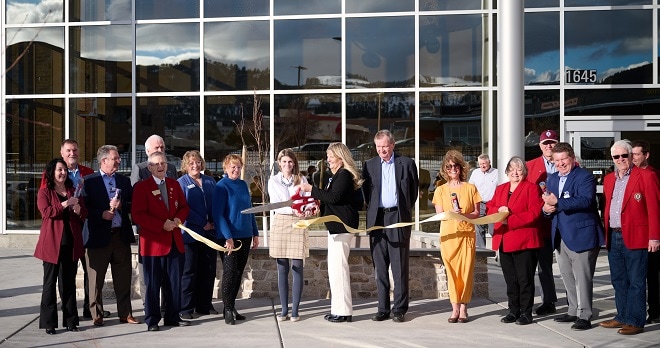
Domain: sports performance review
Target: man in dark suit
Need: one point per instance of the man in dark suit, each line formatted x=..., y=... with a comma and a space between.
x=140, y=171
x=641, y=150
x=633, y=233
x=390, y=188
x=577, y=233
x=109, y=234
x=539, y=169
x=159, y=206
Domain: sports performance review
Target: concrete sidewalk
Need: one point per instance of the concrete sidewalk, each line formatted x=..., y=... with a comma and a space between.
x=426, y=322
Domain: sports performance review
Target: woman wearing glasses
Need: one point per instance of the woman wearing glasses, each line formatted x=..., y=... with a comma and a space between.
x=457, y=238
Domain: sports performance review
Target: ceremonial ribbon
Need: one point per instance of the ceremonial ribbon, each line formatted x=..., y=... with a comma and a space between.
x=211, y=244
x=447, y=215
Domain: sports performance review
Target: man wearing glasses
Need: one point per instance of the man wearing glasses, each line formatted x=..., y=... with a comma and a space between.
x=538, y=171
x=632, y=198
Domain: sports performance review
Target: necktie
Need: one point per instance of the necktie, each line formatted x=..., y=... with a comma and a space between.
x=163, y=193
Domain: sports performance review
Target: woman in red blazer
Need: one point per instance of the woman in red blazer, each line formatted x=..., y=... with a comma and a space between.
x=59, y=246
x=518, y=238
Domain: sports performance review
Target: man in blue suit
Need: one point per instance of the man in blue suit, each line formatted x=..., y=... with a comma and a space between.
x=577, y=233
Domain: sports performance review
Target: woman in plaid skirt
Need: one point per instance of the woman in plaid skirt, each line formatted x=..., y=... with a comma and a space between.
x=288, y=245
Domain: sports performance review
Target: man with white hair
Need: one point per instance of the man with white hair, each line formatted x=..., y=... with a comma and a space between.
x=632, y=207
x=485, y=179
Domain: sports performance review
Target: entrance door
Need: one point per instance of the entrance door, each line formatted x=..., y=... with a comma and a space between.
x=592, y=150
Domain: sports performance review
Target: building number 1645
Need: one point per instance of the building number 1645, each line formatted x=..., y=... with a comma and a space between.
x=581, y=76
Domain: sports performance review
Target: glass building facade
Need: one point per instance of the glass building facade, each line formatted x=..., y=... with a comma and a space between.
x=203, y=73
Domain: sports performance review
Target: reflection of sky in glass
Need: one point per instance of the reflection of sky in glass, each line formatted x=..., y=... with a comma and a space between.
x=52, y=36
x=541, y=47
x=364, y=6
x=307, y=43
x=241, y=43
x=295, y=7
x=593, y=43
x=159, y=44
x=106, y=42
x=101, y=10
x=34, y=11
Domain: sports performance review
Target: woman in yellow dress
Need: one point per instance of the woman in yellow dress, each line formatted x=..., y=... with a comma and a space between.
x=457, y=238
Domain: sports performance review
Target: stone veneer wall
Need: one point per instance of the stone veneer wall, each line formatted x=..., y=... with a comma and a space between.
x=427, y=273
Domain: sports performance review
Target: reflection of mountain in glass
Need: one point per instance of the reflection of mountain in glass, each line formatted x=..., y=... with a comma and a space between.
x=231, y=77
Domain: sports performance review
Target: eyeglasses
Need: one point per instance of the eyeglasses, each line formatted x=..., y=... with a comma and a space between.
x=450, y=166
x=616, y=157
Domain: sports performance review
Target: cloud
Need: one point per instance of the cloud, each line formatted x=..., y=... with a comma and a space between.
x=46, y=11
x=612, y=71
x=171, y=60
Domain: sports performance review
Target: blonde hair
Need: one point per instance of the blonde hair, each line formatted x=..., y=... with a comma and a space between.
x=192, y=154
x=339, y=150
x=231, y=158
x=297, y=178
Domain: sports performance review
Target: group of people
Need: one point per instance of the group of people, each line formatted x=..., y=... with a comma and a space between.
x=550, y=204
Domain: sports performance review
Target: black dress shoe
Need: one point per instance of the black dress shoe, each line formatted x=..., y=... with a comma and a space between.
x=238, y=316
x=153, y=328
x=213, y=311
x=229, y=317
x=380, y=316
x=565, y=318
x=525, y=319
x=398, y=318
x=653, y=320
x=339, y=318
x=87, y=314
x=72, y=328
x=185, y=316
x=509, y=318
x=50, y=331
x=178, y=323
x=581, y=324
x=106, y=314
x=546, y=308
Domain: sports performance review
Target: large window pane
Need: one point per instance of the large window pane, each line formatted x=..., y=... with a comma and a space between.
x=308, y=53
x=167, y=9
x=236, y=55
x=541, y=3
x=541, y=113
x=450, y=5
x=366, y=113
x=167, y=57
x=623, y=102
x=35, y=61
x=236, y=8
x=301, y=7
x=606, y=2
x=451, y=50
x=223, y=134
x=380, y=52
x=365, y=6
x=26, y=121
x=100, y=59
x=541, y=48
x=34, y=11
x=620, y=54
x=307, y=123
x=176, y=119
x=100, y=10
x=99, y=121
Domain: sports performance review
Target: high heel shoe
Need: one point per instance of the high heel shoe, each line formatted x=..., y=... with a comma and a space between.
x=229, y=317
x=452, y=320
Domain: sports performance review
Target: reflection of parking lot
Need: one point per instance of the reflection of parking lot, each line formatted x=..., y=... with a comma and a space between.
x=22, y=200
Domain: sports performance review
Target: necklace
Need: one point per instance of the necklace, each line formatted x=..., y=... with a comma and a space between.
x=286, y=182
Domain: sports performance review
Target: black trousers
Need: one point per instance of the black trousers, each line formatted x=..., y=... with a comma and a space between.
x=63, y=271
x=198, y=278
x=156, y=270
x=391, y=248
x=518, y=269
x=232, y=270
x=653, y=283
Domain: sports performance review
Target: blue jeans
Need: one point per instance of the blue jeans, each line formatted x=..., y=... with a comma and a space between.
x=628, y=272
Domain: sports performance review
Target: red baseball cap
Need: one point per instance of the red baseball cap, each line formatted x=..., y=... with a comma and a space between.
x=549, y=135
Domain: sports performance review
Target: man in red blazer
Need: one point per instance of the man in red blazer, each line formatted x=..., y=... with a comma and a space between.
x=69, y=153
x=640, y=157
x=159, y=206
x=631, y=219
x=538, y=170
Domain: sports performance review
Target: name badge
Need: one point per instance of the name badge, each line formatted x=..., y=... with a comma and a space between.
x=567, y=195
x=155, y=192
x=191, y=186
